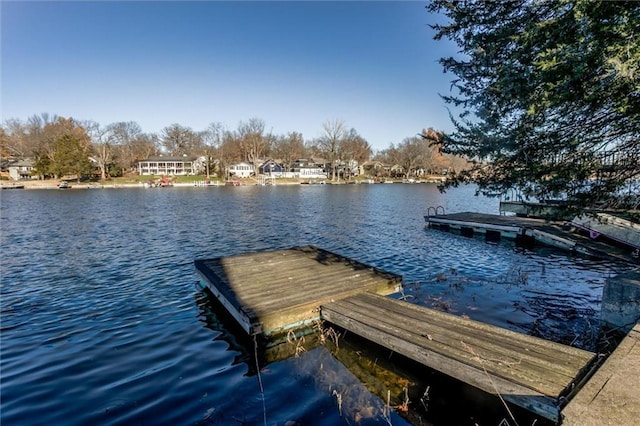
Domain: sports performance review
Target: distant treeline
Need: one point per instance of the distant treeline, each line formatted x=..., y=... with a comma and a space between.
x=62, y=146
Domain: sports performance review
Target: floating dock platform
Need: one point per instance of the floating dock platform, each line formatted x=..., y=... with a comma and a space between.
x=272, y=292
x=275, y=292
x=528, y=230
x=527, y=371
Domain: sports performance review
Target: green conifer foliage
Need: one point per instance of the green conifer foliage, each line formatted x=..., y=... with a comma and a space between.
x=546, y=97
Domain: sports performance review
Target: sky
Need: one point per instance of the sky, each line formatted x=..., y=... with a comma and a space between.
x=293, y=64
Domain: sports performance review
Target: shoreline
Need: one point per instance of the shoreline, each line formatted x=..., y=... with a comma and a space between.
x=26, y=185
x=53, y=184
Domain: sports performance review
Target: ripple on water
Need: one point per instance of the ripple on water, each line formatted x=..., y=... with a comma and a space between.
x=102, y=323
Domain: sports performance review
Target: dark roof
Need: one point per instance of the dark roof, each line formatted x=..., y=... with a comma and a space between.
x=27, y=162
x=161, y=158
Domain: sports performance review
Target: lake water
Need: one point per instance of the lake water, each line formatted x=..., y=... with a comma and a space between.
x=103, y=321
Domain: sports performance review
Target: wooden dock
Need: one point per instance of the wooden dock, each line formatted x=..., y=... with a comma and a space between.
x=530, y=372
x=612, y=395
x=272, y=292
x=528, y=230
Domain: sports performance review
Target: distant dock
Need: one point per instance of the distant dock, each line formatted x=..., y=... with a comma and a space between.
x=273, y=293
x=527, y=230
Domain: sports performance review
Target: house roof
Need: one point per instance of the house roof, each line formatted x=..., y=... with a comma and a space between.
x=269, y=161
x=162, y=158
x=22, y=163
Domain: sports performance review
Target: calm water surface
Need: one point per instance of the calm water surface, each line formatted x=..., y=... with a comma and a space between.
x=103, y=323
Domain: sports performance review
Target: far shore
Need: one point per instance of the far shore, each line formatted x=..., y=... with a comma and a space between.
x=53, y=183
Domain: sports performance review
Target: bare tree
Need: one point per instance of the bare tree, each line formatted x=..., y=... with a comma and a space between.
x=15, y=140
x=139, y=148
x=354, y=149
x=101, y=141
x=334, y=133
x=123, y=137
x=253, y=141
x=180, y=140
x=35, y=136
x=289, y=148
x=230, y=151
x=213, y=140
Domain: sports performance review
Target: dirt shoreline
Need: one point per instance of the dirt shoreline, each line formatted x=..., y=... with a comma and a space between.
x=53, y=184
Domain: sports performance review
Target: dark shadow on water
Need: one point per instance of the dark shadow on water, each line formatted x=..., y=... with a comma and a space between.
x=215, y=317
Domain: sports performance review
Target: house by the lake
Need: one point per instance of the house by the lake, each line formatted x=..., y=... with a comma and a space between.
x=241, y=170
x=172, y=166
x=22, y=169
x=309, y=168
x=271, y=168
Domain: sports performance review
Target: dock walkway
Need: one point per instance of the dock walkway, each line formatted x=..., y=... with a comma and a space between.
x=530, y=372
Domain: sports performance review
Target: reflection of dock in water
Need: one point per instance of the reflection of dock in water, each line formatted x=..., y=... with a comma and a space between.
x=276, y=294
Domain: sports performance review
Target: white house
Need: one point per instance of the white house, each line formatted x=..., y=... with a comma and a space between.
x=22, y=170
x=311, y=173
x=173, y=166
x=309, y=169
x=241, y=170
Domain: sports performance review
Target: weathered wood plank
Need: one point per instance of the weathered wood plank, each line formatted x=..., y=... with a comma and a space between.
x=460, y=351
x=524, y=370
x=283, y=285
x=510, y=391
x=284, y=288
x=451, y=339
x=316, y=291
x=540, y=348
x=496, y=332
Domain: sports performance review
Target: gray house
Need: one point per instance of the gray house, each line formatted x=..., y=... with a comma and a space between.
x=22, y=169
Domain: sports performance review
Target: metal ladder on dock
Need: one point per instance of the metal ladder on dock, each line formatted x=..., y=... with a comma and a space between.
x=435, y=210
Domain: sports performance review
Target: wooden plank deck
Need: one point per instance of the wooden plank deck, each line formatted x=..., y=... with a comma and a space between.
x=271, y=292
x=529, y=372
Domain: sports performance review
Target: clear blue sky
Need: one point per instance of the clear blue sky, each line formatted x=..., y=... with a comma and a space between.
x=293, y=64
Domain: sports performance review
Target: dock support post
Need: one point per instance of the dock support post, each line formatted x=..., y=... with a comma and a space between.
x=621, y=301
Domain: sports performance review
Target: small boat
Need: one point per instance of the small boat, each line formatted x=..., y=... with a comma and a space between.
x=64, y=185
